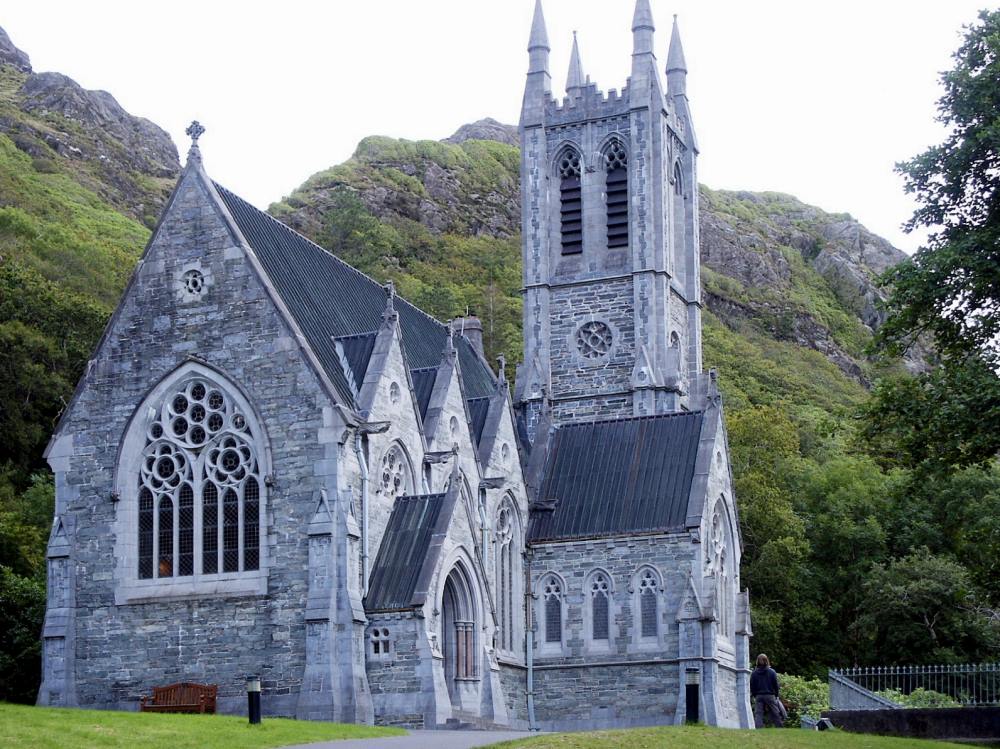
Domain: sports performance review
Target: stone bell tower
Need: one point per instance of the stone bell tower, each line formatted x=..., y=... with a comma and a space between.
x=609, y=219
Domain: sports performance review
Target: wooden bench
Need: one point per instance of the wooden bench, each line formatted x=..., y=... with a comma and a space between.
x=185, y=697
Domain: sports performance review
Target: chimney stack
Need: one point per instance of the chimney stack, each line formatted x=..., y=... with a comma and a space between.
x=472, y=328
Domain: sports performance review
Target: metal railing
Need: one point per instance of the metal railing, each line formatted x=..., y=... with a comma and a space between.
x=955, y=685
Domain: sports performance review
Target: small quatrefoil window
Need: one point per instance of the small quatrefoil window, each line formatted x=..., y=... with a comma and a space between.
x=593, y=339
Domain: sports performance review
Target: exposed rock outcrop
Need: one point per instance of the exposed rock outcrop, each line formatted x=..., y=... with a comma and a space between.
x=128, y=160
x=11, y=55
x=485, y=129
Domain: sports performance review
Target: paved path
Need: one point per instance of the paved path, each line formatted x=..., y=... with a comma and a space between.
x=423, y=740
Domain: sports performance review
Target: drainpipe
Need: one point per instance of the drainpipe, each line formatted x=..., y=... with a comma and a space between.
x=529, y=632
x=363, y=463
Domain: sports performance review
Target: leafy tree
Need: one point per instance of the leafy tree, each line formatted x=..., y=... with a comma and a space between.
x=950, y=289
x=22, y=607
x=923, y=608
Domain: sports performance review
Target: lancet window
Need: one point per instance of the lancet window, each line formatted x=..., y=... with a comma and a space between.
x=600, y=614
x=506, y=574
x=720, y=565
x=570, y=202
x=552, y=596
x=616, y=190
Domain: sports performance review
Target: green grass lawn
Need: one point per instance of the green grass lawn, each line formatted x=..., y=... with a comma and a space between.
x=698, y=737
x=54, y=728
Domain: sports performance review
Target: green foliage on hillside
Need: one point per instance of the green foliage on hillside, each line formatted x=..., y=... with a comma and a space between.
x=52, y=224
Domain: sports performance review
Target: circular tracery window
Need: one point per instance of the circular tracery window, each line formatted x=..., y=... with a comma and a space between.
x=194, y=282
x=394, y=473
x=593, y=339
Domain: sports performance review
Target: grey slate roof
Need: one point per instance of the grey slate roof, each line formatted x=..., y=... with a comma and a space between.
x=610, y=478
x=479, y=409
x=401, y=554
x=357, y=351
x=423, y=386
x=329, y=299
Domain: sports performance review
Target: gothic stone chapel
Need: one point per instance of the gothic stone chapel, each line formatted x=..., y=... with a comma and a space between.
x=274, y=466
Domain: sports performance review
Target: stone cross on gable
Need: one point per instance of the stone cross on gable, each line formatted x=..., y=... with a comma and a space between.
x=195, y=130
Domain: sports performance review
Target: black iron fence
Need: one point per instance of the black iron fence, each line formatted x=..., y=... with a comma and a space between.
x=955, y=685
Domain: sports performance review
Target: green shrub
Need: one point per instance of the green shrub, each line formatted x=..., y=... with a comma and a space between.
x=803, y=697
x=920, y=697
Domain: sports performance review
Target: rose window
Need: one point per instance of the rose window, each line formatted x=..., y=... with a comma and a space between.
x=394, y=477
x=593, y=339
x=194, y=282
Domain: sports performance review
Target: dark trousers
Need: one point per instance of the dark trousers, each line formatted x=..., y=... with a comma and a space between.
x=767, y=705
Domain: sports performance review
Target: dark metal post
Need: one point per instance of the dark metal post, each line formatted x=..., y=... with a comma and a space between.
x=253, y=699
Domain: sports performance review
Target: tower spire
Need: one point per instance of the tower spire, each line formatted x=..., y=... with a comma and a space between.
x=642, y=28
x=538, y=87
x=645, y=86
x=538, y=42
x=574, y=79
x=676, y=65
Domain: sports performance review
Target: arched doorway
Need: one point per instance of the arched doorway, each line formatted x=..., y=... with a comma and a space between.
x=459, y=637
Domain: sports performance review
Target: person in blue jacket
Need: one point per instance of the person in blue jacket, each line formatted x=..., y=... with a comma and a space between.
x=764, y=690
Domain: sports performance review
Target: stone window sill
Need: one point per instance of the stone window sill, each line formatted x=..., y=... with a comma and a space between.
x=145, y=591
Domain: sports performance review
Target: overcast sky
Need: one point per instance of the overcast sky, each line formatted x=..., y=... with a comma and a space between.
x=814, y=99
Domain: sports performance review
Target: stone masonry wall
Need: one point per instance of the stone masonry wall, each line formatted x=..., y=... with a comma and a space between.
x=515, y=683
x=122, y=651
x=393, y=677
x=580, y=378
x=628, y=680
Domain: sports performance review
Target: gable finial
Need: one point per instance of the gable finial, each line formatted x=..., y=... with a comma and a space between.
x=195, y=130
x=449, y=340
x=390, y=300
x=501, y=371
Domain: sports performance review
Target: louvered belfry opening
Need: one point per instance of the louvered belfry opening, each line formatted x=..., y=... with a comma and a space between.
x=570, y=203
x=616, y=165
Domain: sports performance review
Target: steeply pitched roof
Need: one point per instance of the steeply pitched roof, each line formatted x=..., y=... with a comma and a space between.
x=401, y=554
x=356, y=351
x=609, y=478
x=423, y=386
x=329, y=299
x=479, y=408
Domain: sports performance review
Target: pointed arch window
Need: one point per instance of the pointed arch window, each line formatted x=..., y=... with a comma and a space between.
x=198, y=491
x=570, y=202
x=720, y=567
x=678, y=180
x=648, y=619
x=598, y=611
x=599, y=606
x=552, y=599
x=616, y=189
x=507, y=570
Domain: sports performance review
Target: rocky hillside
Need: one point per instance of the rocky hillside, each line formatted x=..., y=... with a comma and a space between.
x=127, y=160
x=773, y=266
x=81, y=179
